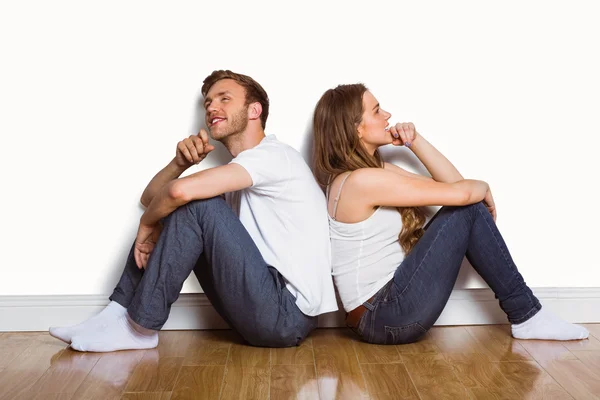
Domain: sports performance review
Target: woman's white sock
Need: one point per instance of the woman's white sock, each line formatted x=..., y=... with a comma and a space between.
x=548, y=326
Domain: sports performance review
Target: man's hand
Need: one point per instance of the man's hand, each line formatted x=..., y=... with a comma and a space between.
x=193, y=149
x=488, y=201
x=403, y=134
x=145, y=241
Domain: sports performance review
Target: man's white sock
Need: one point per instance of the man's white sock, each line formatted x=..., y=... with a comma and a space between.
x=548, y=326
x=112, y=311
x=120, y=334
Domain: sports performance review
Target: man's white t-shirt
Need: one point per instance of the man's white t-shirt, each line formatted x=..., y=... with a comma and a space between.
x=285, y=213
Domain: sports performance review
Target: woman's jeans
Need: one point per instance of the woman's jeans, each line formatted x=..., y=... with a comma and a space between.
x=408, y=306
x=206, y=237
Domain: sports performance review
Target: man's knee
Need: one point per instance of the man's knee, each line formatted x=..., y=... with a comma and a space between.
x=196, y=208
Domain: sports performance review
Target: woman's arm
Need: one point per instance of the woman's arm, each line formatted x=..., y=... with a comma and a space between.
x=372, y=187
x=440, y=168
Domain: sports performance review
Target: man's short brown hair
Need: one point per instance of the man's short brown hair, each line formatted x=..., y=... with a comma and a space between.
x=254, y=92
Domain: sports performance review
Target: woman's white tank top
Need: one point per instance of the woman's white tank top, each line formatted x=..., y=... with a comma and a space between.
x=365, y=254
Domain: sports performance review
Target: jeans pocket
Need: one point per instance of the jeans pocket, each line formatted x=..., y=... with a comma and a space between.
x=404, y=334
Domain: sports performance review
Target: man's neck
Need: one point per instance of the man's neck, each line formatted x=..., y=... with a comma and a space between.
x=245, y=140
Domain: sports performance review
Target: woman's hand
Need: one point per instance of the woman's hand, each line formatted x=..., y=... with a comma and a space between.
x=403, y=134
x=488, y=201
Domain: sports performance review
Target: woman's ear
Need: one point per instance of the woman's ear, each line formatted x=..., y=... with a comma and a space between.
x=359, y=129
x=254, y=110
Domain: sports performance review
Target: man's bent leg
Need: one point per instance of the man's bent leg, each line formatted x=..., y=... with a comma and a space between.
x=247, y=294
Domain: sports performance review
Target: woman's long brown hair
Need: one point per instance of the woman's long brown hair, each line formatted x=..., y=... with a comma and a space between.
x=337, y=149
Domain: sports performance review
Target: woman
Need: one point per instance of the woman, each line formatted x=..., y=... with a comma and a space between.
x=394, y=277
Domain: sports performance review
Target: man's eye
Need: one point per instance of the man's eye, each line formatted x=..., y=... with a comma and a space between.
x=225, y=99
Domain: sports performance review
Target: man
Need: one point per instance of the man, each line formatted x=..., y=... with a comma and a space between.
x=261, y=254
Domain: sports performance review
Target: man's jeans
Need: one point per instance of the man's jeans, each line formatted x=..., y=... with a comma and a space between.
x=408, y=306
x=206, y=237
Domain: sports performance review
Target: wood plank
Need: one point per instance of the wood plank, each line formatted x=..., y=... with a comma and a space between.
x=297, y=355
x=575, y=377
x=248, y=356
x=147, y=396
x=455, y=339
x=433, y=377
x=481, y=379
x=22, y=373
x=294, y=382
x=66, y=373
x=376, y=353
x=246, y=383
x=110, y=375
x=591, y=359
x=198, y=382
x=12, y=345
x=591, y=343
x=43, y=396
x=531, y=381
x=498, y=343
x=208, y=348
x=546, y=350
x=389, y=381
x=175, y=343
x=154, y=373
x=338, y=371
x=594, y=329
x=425, y=345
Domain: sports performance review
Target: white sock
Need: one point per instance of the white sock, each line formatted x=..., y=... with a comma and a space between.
x=112, y=311
x=548, y=326
x=120, y=334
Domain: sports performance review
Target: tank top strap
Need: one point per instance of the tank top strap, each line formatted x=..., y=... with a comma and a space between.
x=337, y=198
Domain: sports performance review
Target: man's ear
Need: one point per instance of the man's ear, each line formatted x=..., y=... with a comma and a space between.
x=254, y=110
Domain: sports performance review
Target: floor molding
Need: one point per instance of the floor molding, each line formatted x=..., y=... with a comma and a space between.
x=194, y=311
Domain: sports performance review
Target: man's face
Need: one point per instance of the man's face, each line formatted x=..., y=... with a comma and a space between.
x=226, y=109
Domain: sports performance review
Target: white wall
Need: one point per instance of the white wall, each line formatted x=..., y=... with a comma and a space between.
x=95, y=95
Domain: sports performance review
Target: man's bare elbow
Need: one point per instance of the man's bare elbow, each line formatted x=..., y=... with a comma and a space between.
x=177, y=193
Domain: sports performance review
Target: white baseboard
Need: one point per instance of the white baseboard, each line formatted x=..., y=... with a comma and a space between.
x=194, y=311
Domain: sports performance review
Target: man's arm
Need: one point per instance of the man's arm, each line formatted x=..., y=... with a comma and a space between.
x=201, y=185
x=189, y=151
x=167, y=174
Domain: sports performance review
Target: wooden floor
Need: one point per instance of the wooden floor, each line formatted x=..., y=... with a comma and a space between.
x=478, y=362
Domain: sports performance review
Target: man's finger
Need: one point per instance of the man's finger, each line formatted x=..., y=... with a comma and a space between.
x=203, y=136
x=138, y=258
x=193, y=151
x=186, y=153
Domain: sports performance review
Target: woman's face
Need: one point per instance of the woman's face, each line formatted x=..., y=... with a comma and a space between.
x=371, y=129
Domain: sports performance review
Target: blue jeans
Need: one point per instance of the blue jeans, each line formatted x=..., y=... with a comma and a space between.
x=206, y=237
x=408, y=306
